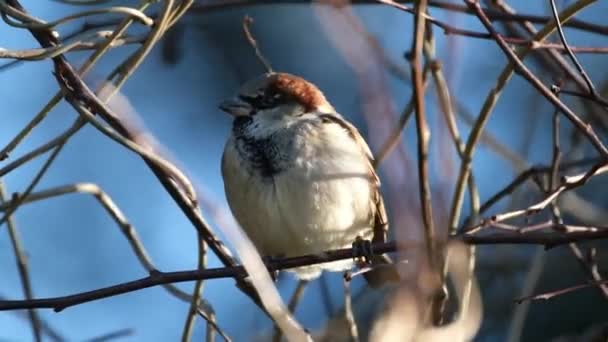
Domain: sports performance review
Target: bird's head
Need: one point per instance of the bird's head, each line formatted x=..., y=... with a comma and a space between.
x=277, y=97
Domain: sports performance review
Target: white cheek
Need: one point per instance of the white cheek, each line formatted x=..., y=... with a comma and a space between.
x=270, y=121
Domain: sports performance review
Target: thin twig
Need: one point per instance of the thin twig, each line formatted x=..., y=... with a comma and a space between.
x=569, y=183
x=423, y=135
x=504, y=77
x=71, y=82
x=445, y=103
x=553, y=184
x=588, y=267
x=551, y=294
x=16, y=202
x=86, y=67
x=582, y=126
x=550, y=240
x=530, y=173
x=49, y=41
x=203, y=8
x=22, y=267
x=423, y=132
x=53, y=143
x=158, y=278
x=45, y=327
x=196, y=293
x=521, y=311
x=126, y=228
x=599, y=100
x=395, y=136
x=31, y=23
x=247, y=21
x=353, y=331
x=97, y=40
x=569, y=51
x=297, y=295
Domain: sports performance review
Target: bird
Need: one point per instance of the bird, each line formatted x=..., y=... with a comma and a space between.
x=299, y=178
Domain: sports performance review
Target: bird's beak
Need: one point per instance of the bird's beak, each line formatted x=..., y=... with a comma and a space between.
x=236, y=107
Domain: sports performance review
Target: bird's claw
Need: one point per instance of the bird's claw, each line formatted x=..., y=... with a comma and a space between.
x=362, y=251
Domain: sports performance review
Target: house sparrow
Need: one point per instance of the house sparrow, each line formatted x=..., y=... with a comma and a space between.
x=299, y=177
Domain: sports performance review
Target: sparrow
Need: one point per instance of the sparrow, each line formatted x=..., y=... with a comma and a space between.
x=298, y=176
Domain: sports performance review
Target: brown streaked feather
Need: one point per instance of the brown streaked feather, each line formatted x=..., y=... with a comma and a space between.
x=380, y=221
x=383, y=271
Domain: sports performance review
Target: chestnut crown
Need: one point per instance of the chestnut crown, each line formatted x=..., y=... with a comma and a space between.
x=271, y=90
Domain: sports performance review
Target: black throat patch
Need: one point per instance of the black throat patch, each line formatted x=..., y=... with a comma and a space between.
x=262, y=154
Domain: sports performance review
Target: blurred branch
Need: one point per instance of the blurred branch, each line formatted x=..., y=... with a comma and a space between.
x=549, y=240
x=126, y=228
x=121, y=27
x=47, y=39
x=423, y=134
x=80, y=96
x=96, y=40
x=53, y=143
x=37, y=54
x=297, y=295
x=45, y=328
x=595, y=98
x=531, y=44
x=549, y=295
x=579, y=67
x=158, y=278
x=260, y=278
x=16, y=201
x=447, y=109
x=83, y=2
x=569, y=183
x=520, y=312
x=348, y=309
x=32, y=23
x=22, y=267
x=586, y=264
x=495, y=231
x=515, y=64
x=114, y=335
x=202, y=8
x=394, y=137
x=194, y=308
x=247, y=21
x=530, y=173
x=552, y=55
x=518, y=65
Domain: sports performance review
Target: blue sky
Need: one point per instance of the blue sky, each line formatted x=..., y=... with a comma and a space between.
x=71, y=243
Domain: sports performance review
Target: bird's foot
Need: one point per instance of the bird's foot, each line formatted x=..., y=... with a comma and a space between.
x=362, y=252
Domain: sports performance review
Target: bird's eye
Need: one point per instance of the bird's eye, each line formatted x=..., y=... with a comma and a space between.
x=271, y=100
x=268, y=100
x=264, y=100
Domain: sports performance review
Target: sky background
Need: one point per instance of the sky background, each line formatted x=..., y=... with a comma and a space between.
x=72, y=245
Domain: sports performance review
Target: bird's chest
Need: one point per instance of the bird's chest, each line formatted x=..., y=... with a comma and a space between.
x=264, y=157
x=303, y=192
x=269, y=155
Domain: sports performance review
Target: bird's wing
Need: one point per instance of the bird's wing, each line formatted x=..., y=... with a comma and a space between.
x=380, y=221
x=383, y=271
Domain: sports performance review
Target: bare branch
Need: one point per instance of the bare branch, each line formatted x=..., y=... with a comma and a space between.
x=247, y=21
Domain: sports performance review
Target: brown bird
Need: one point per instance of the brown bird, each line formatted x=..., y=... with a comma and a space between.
x=299, y=177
